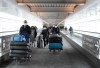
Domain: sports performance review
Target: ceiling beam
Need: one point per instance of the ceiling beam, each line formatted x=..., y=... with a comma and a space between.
x=53, y=9
x=51, y=1
x=49, y=4
x=29, y=7
x=19, y=1
x=52, y=18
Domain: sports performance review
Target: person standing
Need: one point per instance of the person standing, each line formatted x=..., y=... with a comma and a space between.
x=45, y=33
x=71, y=30
x=33, y=35
x=25, y=30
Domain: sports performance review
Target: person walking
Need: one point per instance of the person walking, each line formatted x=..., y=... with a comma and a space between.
x=25, y=30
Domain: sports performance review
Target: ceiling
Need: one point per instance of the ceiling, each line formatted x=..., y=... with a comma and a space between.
x=52, y=11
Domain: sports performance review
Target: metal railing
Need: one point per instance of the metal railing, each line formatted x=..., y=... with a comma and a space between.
x=9, y=31
x=94, y=34
x=5, y=42
x=87, y=31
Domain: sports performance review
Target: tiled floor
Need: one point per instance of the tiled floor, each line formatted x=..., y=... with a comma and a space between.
x=42, y=58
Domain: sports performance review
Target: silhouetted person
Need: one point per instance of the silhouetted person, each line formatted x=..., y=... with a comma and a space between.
x=66, y=28
x=55, y=30
x=71, y=30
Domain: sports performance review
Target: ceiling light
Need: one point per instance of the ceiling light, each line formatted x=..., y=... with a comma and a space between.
x=70, y=12
x=21, y=4
x=81, y=4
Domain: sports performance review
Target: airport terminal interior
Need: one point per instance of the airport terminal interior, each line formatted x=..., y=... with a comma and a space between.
x=66, y=34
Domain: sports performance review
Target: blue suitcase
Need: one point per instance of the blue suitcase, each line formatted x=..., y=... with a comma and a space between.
x=55, y=46
x=17, y=38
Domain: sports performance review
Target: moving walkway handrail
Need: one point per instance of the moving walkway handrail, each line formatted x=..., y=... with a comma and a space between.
x=75, y=31
x=7, y=32
x=88, y=31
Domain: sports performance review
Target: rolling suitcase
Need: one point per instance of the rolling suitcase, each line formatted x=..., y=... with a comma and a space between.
x=55, y=43
x=17, y=38
x=55, y=39
x=40, y=41
x=55, y=46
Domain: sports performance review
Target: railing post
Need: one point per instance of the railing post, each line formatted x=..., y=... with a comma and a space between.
x=1, y=45
x=99, y=48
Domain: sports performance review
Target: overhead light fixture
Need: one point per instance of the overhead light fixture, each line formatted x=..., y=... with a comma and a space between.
x=21, y=3
x=70, y=12
x=81, y=4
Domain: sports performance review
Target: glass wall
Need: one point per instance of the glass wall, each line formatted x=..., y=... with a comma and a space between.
x=9, y=24
x=87, y=19
x=12, y=16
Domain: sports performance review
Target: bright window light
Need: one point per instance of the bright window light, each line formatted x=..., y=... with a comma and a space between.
x=12, y=23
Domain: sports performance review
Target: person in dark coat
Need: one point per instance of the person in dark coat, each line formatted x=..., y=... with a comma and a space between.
x=71, y=30
x=33, y=34
x=66, y=28
x=55, y=30
x=45, y=33
x=25, y=30
x=34, y=31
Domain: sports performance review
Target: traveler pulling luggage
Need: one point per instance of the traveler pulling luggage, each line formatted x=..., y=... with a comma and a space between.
x=55, y=42
x=45, y=33
x=25, y=30
x=19, y=49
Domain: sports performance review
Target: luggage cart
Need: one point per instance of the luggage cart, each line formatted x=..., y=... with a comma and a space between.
x=55, y=43
x=19, y=49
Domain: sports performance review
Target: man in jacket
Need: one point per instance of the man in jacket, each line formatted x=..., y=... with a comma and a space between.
x=25, y=30
x=45, y=33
